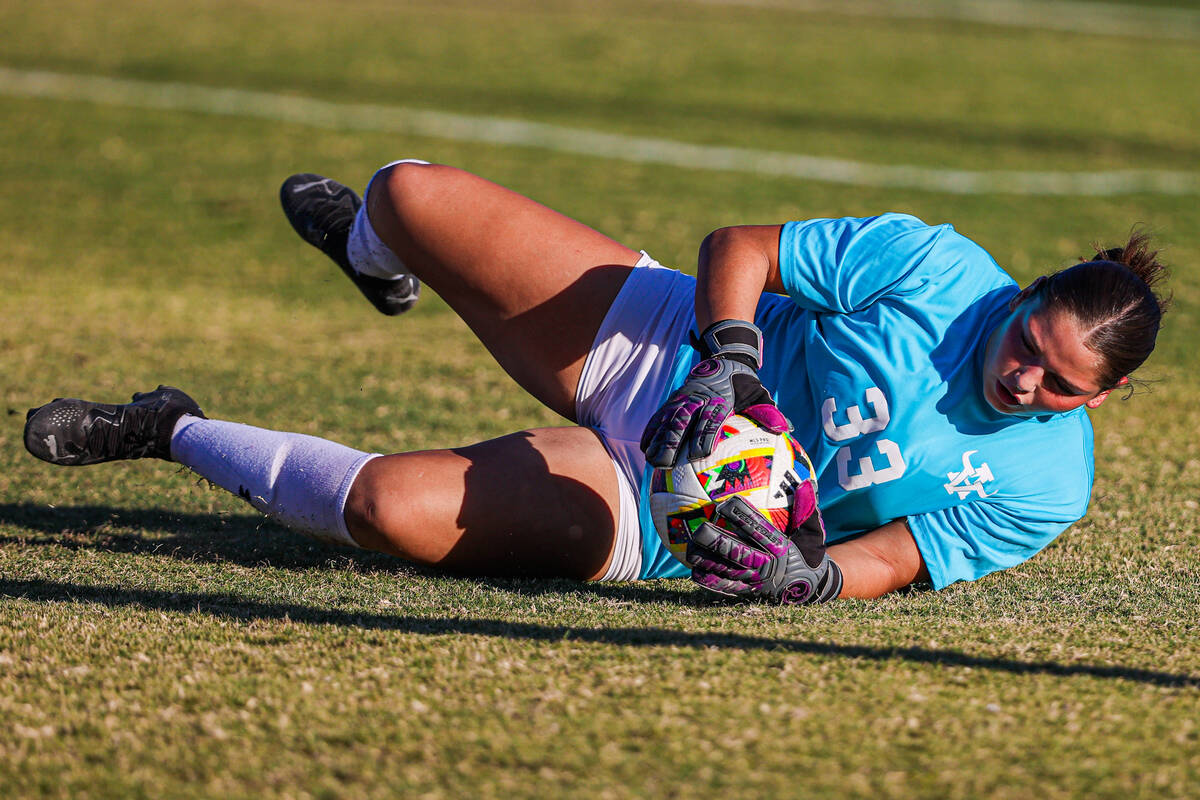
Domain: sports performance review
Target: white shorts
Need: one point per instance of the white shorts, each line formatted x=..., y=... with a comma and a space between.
x=634, y=363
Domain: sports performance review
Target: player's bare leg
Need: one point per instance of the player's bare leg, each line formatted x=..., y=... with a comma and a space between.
x=539, y=502
x=533, y=284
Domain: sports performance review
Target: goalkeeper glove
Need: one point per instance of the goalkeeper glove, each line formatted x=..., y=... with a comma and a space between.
x=740, y=553
x=725, y=382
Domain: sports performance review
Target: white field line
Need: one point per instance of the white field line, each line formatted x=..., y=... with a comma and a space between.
x=1107, y=19
x=497, y=130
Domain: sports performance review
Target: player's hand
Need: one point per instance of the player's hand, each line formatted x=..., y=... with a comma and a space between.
x=740, y=553
x=725, y=382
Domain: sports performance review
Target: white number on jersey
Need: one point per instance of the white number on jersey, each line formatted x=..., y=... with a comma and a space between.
x=855, y=427
x=867, y=473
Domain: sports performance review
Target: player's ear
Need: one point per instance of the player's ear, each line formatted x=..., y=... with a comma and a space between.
x=1021, y=296
x=1100, y=398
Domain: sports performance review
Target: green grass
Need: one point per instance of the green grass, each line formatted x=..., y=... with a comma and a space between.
x=159, y=639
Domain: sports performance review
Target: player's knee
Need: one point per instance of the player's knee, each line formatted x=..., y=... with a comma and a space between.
x=367, y=511
x=400, y=190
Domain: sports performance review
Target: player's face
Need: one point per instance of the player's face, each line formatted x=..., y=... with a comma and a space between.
x=1037, y=363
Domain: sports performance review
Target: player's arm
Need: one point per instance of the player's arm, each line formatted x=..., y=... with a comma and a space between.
x=878, y=562
x=735, y=265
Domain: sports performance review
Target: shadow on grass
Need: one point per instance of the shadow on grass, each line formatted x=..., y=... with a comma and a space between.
x=237, y=608
x=251, y=540
x=248, y=540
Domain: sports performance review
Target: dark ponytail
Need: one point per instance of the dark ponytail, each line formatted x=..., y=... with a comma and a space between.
x=1112, y=297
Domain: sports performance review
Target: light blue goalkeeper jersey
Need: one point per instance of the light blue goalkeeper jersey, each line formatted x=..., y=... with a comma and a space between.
x=876, y=357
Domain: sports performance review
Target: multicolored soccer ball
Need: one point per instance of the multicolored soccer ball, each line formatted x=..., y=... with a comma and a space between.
x=763, y=467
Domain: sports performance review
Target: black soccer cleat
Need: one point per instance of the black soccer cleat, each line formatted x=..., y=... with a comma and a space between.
x=322, y=211
x=73, y=433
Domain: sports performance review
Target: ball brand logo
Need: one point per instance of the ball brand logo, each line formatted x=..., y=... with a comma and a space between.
x=787, y=486
x=961, y=482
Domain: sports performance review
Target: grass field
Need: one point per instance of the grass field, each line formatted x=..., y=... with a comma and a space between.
x=159, y=639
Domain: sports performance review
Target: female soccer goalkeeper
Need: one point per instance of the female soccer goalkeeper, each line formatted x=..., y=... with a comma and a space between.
x=942, y=408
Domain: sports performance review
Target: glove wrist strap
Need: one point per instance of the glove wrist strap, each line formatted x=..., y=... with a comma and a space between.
x=733, y=338
x=830, y=585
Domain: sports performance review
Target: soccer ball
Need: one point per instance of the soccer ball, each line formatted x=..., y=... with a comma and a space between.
x=763, y=467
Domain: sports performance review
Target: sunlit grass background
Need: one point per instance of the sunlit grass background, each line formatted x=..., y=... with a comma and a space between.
x=158, y=638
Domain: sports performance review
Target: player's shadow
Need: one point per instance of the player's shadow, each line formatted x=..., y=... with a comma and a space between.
x=244, y=539
x=250, y=540
x=240, y=609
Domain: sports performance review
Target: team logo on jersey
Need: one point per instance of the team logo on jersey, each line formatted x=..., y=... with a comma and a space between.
x=970, y=479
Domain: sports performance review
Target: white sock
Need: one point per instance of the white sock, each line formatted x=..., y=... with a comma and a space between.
x=366, y=251
x=299, y=480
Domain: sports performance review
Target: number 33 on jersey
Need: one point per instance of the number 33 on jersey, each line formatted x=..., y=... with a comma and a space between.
x=856, y=427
